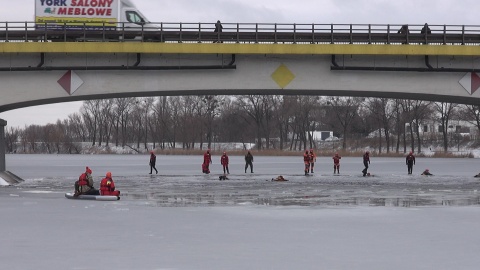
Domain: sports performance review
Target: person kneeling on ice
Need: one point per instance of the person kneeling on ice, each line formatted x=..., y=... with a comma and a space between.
x=426, y=172
x=84, y=185
x=107, y=186
x=477, y=176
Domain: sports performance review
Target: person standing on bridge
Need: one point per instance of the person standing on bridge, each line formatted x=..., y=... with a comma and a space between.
x=426, y=29
x=404, y=30
x=218, y=27
x=153, y=161
x=410, y=161
x=366, y=162
x=218, y=30
x=207, y=160
x=224, y=161
x=249, y=162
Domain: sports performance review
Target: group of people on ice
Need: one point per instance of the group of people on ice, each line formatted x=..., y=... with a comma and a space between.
x=84, y=185
x=224, y=160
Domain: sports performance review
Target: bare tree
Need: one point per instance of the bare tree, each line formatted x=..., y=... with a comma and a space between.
x=91, y=111
x=345, y=110
x=381, y=111
x=12, y=136
x=471, y=113
x=444, y=111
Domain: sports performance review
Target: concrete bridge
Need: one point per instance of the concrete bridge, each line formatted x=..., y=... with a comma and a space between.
x=436, y=67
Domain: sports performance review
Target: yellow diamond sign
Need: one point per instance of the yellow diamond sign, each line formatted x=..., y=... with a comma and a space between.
x=283, y=76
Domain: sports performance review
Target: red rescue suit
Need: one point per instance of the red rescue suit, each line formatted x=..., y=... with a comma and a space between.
x=83, y=180
x=306, y=160
x=107, y=188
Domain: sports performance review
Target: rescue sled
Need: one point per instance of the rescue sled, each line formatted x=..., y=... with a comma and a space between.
x=92, y=197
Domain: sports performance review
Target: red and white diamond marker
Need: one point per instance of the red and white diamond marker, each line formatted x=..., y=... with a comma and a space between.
x=70, y=82
x=471, y=82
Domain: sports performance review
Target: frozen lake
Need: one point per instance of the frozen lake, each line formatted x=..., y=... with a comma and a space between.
x=182, y=219
x=181, y=183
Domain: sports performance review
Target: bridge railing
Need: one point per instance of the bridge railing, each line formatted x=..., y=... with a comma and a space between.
x=243, y=33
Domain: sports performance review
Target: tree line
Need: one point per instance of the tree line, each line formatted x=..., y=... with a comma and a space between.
x=268, y=121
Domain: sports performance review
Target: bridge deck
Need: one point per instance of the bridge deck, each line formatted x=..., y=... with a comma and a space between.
x=245, y=38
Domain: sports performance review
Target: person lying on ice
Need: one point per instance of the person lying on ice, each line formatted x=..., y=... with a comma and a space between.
x=426, y=172
x=107, y=186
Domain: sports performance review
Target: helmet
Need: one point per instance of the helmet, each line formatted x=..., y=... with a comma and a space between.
x=109, y=175
x=88, y=170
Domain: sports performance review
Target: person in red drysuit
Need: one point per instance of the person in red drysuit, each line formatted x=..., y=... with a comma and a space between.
x=207, y=160
x=107, y=186
x=313, y=159
x=306, y=160
x=336, y=163
x=224, y=162
x=84, y=185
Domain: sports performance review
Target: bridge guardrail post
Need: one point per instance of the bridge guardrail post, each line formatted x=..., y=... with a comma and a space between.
x=3, y=124
x=313, y=33
x=275, y=37
x=407, y=36
x=26, y=31
x=444, y=34
x=199, y=32
x=331, y=34
x=369, y=34
x=294, y=33
x=351, y=34
x=388, y=34
x=238, y=32
x=181, y=33
x=103, y=34
x=84, y=31
x=161, y=32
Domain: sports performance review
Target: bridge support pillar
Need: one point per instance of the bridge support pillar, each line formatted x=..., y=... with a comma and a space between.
x=3, y=124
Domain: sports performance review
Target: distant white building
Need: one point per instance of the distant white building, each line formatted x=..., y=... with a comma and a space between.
x=431, y=127
x=316, y=135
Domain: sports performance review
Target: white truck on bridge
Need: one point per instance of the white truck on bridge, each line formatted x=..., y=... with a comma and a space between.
x=121, y=15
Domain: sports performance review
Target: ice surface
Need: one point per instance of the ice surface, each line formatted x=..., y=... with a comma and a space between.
x=182, y=219
x=3, y=182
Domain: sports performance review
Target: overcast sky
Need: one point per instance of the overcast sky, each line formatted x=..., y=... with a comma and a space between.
x=460, y=12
